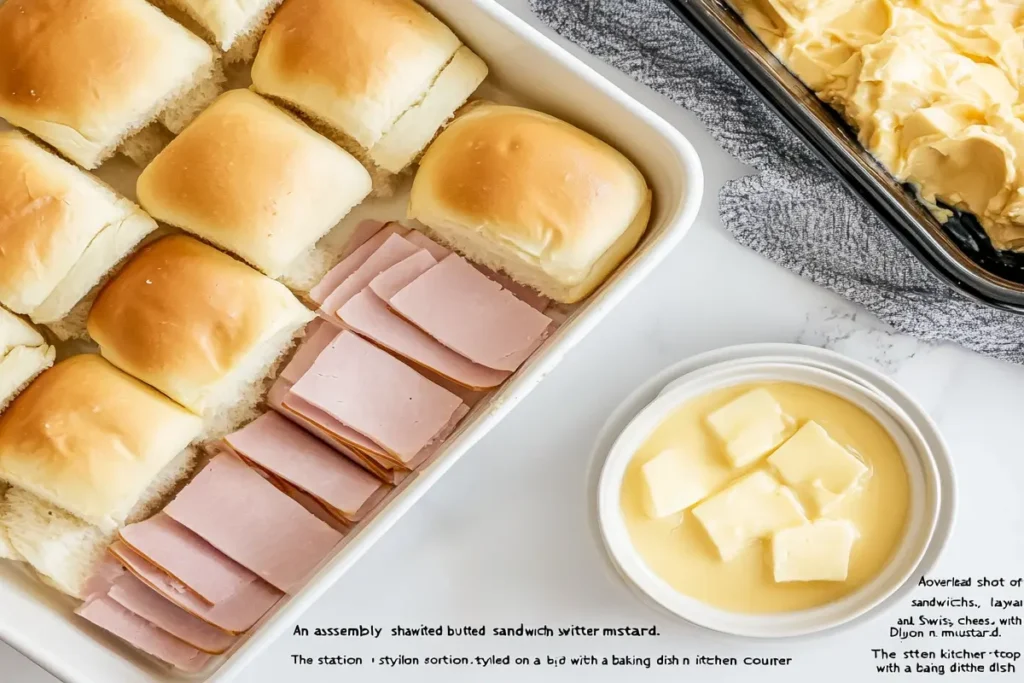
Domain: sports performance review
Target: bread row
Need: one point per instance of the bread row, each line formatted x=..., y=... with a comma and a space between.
x=93, y=77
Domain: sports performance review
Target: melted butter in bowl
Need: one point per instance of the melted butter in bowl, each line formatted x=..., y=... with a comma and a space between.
x=678, y=548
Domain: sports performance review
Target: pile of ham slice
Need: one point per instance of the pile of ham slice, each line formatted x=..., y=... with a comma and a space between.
x=268, y=508
x=410, y=337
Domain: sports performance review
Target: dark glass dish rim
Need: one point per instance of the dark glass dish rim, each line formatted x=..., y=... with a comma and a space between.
x=958, y=251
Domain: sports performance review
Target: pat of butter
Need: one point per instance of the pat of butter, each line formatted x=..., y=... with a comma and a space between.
x=814, y=462
x=751, y=426
x=813, y=552
x=676, y=479
x=754, y=507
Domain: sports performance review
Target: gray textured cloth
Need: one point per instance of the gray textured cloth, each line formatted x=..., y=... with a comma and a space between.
x=793, y=210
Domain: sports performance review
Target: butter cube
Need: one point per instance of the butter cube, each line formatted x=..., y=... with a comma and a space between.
x=751, y=426
x=813, y=462
x=754, y=507
x=814, y=552
x=676, y=479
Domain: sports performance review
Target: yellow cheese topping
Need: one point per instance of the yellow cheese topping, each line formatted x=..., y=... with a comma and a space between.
x=798, y=527
x=934, y=88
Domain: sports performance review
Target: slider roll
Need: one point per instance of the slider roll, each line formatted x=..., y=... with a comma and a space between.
x=63, y=230
x=84, y=75
x=201, y=327
x=381, y=76
x=89, y=439
x=253, y=180
x=534, y=197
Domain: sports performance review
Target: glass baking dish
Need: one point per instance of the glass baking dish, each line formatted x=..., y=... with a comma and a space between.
x=957, y=251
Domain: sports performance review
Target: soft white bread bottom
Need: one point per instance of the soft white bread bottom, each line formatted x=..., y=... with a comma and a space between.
x=172, y=115
x=19, y=367
x=237, y=400
x=186, y=106
x=480, y=249
x=62, y=549
x=239, y=42
x=7, y=551
x=24, y=354
x=420, y=124
x=143, y=147
x=108, y=249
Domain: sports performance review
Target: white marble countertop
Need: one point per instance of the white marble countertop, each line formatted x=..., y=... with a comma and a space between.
x=504, y=538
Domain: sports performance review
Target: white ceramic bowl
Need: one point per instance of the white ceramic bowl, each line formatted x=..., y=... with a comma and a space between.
x=923, y=515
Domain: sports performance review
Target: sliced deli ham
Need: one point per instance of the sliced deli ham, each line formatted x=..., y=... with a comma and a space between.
x=185, y=556
x=279, y=447
x=367, y=314
x=436, y=250
x=133, y=629
x=395, y=278
x=394, y=250
x=527, y=295
x=319, y=335
x=104, y=575
x=249, y=520
x=370, y=391
x=320, y=424
x=235, y=615
x=360, y=251
x=140, y=599
x=472, y=315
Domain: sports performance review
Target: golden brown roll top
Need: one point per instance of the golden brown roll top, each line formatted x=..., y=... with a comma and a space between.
x=253, y=180
x=538, y=198
x=195, y=323
x=88, y=438
x=360, y=66
x=61, y=230
x=83, y=74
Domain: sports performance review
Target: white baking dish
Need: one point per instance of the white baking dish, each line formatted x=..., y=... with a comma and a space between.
x=535, y=72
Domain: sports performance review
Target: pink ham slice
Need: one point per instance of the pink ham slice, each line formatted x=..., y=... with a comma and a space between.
x=287, y=452
x=297, y=411
x=187, y=558
x=133, y=629
x=527, y=295
x=329, y=517
x=140, y=599
x=433, y=447
x=367, y=314
x=319, y=335
x=104, y=575
x=374, y=393
x=242, y=515
x=357, y=255
x=342, y=432
x=394, y=250
x=397, y=277
x=235, y=615
x=436, y=250
x=472, y=315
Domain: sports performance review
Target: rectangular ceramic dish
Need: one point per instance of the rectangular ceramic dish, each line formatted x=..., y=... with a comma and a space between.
x=958, y=251
x=535, y=72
